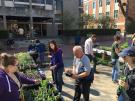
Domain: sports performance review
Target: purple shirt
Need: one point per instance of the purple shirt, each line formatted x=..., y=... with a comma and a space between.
x=9, y=90
x=57, y=59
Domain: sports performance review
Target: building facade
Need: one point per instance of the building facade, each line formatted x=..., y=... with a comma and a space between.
x=99, y=8
x=72, y=10
x=41, y=16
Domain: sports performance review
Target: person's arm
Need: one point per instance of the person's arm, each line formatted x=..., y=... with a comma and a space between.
x=25, y=80
x=91, y=48
x=117, y=49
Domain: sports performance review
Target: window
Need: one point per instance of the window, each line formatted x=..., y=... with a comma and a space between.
x=116, y=1
x=115, y=13
x=94, y=5
x=94, y=15
x=107, y=13
x=100, y=15
x=115, y=26
x=107, y=2
x=86, y=8
x=100, y=3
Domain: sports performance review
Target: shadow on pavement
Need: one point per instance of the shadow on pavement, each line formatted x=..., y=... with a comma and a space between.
x=105, y=73
x=94, y=92
x=69, y=86
x=67, y=95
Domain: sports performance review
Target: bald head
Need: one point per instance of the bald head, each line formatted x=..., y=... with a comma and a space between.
x=78, y=51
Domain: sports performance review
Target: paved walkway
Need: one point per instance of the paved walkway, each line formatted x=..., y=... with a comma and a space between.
x=101, y=90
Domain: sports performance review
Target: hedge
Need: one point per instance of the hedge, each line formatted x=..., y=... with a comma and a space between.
x=85, y=32
x=4, y=34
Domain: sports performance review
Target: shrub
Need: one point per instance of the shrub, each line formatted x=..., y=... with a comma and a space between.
x=4, y=34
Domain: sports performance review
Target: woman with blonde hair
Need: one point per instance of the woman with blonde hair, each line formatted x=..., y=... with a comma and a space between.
x=10, y=79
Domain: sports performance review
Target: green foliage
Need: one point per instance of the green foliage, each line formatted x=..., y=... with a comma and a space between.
x=45, y=93
x=32, y=74
x=102, y=61
x=24, y=60
x=4, y=34
x=124, y=45
x=87, y=21
x=106, y=48
x=106, y=22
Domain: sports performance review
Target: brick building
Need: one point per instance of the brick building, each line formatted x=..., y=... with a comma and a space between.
x=98, y=8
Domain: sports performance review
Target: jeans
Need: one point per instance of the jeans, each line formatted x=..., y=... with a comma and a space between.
x=82, y=87
x=41, y=57
x=58, y=78
x=94, y=61
x=121, y=98
x=115, y=70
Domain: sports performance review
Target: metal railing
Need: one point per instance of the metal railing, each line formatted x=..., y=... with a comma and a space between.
x=37, y=1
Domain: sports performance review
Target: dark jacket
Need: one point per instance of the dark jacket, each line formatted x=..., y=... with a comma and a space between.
x=32, y=48
x=56, y=59
x=9, y=90
x=131, y=82
x=40, y=48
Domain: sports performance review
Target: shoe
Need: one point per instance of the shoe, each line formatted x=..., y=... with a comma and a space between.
x=116, y=82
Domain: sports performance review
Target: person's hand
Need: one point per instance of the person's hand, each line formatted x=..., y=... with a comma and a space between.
x=74, y=76
x=49, y=56
x=126, y=86
x=52, y=67
x=121, y=83
x=67, y=70
x=37, y=81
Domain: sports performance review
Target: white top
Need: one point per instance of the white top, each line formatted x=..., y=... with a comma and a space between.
x=88, y=46
x=21, y=31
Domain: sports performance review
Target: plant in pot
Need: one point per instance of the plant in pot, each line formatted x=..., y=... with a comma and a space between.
x=25, y=61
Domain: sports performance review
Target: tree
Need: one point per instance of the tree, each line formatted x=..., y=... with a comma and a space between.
x=123, y=9
x=87, y=21
x=106, y=22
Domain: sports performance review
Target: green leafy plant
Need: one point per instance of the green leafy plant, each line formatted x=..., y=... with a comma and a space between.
x=47, y=92
x=124, y=45
x=24, y=60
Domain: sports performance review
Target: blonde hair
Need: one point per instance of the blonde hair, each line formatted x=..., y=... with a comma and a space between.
x=7, y=59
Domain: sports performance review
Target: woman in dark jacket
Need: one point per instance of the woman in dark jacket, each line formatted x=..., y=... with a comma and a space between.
x=57, y=65
x=10, y=80
x=129, y=58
